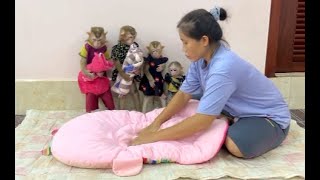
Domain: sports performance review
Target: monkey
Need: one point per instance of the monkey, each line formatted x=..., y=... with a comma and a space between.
x=152, y=82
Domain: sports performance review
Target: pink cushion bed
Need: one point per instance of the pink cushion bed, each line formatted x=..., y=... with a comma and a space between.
x=100, y=140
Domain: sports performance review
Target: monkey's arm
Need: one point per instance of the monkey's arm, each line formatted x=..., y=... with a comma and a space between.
x=147, y=72
x=120, y=70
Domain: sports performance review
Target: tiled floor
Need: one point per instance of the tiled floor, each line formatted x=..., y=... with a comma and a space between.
x=296, y=114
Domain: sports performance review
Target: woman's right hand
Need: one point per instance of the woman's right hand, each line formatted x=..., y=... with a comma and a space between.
x=153, y=127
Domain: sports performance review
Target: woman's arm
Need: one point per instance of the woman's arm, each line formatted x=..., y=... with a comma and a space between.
x=186, y=128
x=179, y=101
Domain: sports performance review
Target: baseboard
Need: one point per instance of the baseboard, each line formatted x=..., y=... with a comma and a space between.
x=64, y=94
x=47, y=95
x=291, y=74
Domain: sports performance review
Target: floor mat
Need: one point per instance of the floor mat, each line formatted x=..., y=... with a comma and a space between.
x=33, y=134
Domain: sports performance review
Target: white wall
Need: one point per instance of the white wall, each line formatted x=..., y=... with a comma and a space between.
x=49, y=34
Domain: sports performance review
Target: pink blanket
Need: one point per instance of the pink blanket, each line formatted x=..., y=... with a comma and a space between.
x=100, y=140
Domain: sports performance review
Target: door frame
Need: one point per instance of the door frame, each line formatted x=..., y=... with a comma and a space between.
x=277, y=23
x=273, y=36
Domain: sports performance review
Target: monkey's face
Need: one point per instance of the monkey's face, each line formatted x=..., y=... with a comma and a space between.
x=97, y=42
x=128, y=39
x=175, y=70
x=156, y=52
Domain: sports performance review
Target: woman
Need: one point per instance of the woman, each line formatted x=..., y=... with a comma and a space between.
x=230, y=86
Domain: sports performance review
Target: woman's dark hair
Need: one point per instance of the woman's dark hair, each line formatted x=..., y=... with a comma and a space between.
x=200, y=22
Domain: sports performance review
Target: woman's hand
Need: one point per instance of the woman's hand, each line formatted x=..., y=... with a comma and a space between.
x=146, y=135
x=152, y=128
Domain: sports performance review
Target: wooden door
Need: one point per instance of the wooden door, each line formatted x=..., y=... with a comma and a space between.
x=286, y=41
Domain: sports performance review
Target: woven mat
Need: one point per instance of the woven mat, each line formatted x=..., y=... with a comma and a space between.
x=286, y=161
